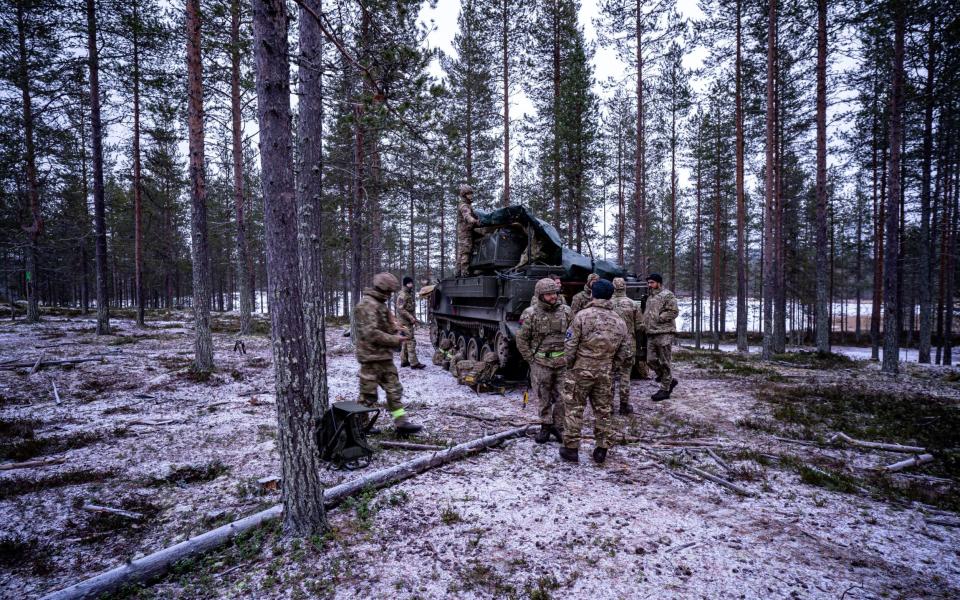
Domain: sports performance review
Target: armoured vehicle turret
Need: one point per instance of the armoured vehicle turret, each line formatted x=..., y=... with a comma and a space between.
x=513, y=250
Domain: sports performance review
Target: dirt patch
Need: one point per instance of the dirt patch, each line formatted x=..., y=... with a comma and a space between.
x=17, y=486
x=24, y=553
x=192, y=474
x=40, y=446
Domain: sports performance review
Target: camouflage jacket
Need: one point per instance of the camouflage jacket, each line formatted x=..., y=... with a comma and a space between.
x=661, y=310
x=376, y=330
x=466, y=219
x=580, y=300
x=540, y=339
x=629, y=311
x=406, y=308
x=597, y=339
x=478, y=369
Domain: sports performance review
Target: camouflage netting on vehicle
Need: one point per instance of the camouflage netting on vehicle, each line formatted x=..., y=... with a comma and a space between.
x=547, y=248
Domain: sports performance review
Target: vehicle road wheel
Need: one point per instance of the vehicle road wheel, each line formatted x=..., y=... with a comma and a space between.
x=473, y=349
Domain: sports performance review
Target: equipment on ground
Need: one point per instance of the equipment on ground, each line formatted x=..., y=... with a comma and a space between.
x=342, y=437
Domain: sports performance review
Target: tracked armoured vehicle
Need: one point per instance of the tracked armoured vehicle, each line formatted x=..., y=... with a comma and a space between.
x=514, y=250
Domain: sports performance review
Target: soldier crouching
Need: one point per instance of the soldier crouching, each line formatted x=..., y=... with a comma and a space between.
x=596, y=341
x=540, y=340
x=377, y=337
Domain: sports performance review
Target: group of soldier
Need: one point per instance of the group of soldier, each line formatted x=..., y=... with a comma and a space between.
x=581, y=353
x=577, y=354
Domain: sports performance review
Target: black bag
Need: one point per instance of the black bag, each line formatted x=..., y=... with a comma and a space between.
x=342, y=437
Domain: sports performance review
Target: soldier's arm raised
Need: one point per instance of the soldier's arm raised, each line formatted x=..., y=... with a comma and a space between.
x=468, y=217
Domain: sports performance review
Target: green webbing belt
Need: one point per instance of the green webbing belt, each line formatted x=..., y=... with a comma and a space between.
x=557, y=354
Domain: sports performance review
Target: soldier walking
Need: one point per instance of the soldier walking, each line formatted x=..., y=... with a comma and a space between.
x=407, y=314
x=659, y=322
x=596, y=341
x=632, y=317
x=582, y=298
x=378, y=335
x=540, y=340
x=466, y=222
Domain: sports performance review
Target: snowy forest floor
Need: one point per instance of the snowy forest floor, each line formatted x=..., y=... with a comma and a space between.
x=137, y=432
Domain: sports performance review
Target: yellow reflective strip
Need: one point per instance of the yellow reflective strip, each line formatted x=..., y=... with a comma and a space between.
x=396, y=414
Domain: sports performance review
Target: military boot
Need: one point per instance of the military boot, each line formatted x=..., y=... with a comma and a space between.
x=673, y=384
x=599, y=455
x=418, y=366
x=625, y=408
x=405, y=426
x=570, y=454
x=557, y=434
x=404, y=363
x=660, y=395
x=543, y=436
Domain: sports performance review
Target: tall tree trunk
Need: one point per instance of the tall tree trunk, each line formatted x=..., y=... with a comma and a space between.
x=769, y=266
x=556, y=115
x=309, y=203
x=823, y=313
x=506, y=104
x=891, y=337
x=639, y=198
x=926, y=273
x=303, y=512
x=137, y=182
x=469, y=85
x=33, y=187
x=239, y=193
x=621, y=199
x=742, y=345
x=96, y=134
x=716, y=294
x=199, y=241
x=673, y=178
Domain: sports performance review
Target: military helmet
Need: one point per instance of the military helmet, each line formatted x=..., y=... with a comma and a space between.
x=490, y=357
x=592, y=277
x=464, y=190
x=545, y=286
x=386, y=282
x=446, y=344
x=619, y=284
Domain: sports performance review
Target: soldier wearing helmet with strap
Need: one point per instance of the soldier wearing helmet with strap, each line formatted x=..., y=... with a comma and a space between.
x=378, y=336
x=540, y=341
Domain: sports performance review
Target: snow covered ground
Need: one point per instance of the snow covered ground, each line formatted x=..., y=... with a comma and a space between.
x=510, y=522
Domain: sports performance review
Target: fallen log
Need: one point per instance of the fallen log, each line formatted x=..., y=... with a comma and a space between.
x=36, y=365
x=56, y=393
x=44, y=462
x=48, y=363
x=913, y=461
x=134, y=516
x=408, y=446
x=942, y=522
x=842, y=437
x=156, y=564
x=719, y=460
x=720, y=481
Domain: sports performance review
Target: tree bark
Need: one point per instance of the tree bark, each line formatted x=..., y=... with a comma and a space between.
x=137, y=182
x=639, y=197
x=239, y=193
x=742, y=345
x=296, y=419
x=891, y=333
x=310, y=205
x=823, y=313
x=506, y=104
x=769, y=267
x=926, y=273
x=199, y=242
x=96, y=134
x=33, y=188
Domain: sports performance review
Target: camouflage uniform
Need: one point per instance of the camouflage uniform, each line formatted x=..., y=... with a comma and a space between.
x=540, y=341
x=466, y=222
x=630, y=312
x=481, y=370
x=596, y=341
x=658, y=322
x=458, y=357
x=375, y=343
x=582, y=298
x=406, y=313
x=442, y=356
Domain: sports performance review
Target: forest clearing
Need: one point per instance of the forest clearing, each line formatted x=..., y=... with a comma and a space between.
x=135, y=431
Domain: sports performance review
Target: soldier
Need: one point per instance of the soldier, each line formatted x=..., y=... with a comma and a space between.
x=659, y=324
x=583, y=298
x=378, y=335
x=632, y=317
x=442, y=356
x=540, y=341
x=596, y=341
x=459, y=355
x=466, y=222
x=480, y=370
x=560, y=297
x=407, y=314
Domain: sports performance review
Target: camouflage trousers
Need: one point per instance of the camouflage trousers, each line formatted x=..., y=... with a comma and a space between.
x=580, y=386
x=408, y=350
x=660, y=358
x=463, y=256
x=620, y=378
x=547, y=384
x=381, y=374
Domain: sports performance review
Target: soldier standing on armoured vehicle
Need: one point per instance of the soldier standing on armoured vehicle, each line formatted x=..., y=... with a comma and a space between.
x=583, y=298
x=407, y=314
x=596, y=341
x=540, y=340
x=378, y=335
x=632, y=317
x=659, y=324
x=466, y=222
